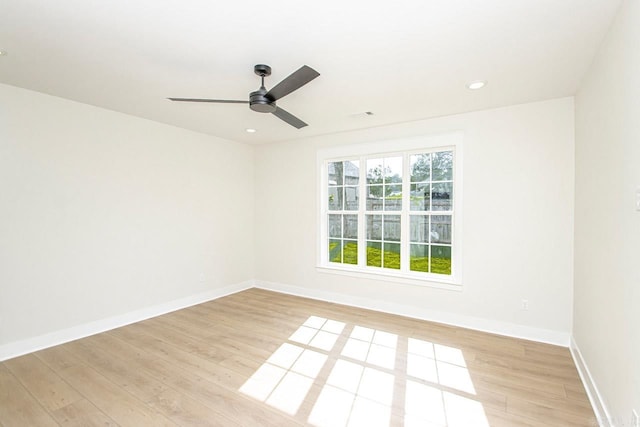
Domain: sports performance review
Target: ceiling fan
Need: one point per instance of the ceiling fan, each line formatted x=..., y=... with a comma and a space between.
x=264, y=101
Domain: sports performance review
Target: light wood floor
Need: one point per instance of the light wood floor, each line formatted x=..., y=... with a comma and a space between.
x=259, y=358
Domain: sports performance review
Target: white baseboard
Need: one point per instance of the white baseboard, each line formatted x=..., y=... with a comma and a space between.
x=29, y=345
x=484, y=325
x=597, y=403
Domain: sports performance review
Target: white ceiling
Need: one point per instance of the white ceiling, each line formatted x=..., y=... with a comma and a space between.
x=403, y=60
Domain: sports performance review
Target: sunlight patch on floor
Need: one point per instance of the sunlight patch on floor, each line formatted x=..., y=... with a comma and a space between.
x=284, y=380
x=363, y=386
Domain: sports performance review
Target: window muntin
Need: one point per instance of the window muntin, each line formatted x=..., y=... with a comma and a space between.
x=399, y=216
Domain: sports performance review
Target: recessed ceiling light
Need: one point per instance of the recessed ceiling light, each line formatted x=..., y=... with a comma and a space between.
x=477, y=84
x=250, y=130
x=3, y=53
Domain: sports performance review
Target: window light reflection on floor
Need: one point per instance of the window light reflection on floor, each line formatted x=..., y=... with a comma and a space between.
x=284, y=380
x=438, y=364
x=371, y=346
x=362, y=387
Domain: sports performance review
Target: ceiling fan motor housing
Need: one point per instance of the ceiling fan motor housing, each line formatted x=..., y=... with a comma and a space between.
x=258, y=101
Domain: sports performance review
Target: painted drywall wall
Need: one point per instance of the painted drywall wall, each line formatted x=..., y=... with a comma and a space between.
x=104, y=214
x=518, y=195
x=607, y=221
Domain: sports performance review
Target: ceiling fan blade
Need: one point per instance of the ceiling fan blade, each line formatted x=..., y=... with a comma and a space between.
x=295, y=81
x=289, y=118
x=220, y=101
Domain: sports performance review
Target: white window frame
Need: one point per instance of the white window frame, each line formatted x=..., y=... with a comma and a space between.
x=404, y=147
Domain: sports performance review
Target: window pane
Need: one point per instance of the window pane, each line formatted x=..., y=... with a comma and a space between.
x=421, y=167
x=351, y=172
x=441, y=228
x=375, y=171
x=392, y=170
x=335, y=198
x=441, y=259
x=374, y=227
x=393, y=197
x=419, y=260
x=420, y=197
x=351, y=198
x=443, y=166
x=441, y=195
x=335, y=250
x=374, y=254
x=419, y=231
x=391, y=257
x=350, y=230
x=335, y=226
x=391, y=228
x=335, y=173
x=350, y=252
x=374, y=197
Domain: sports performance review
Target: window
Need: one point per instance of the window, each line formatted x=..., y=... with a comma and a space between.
x=391, y=214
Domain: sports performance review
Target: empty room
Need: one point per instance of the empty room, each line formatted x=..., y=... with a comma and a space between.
x=411, y=213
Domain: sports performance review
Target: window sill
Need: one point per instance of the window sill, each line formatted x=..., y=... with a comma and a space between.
x=402, y=278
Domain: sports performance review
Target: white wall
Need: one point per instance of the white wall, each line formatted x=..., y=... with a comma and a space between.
x=103, y=214
x=607, y=224
x=518, y=222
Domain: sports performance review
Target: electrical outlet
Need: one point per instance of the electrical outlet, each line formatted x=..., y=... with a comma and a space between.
x=635, y=420
x=525, y=304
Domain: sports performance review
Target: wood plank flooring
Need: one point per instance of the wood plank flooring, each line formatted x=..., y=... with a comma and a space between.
x=260, y=358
